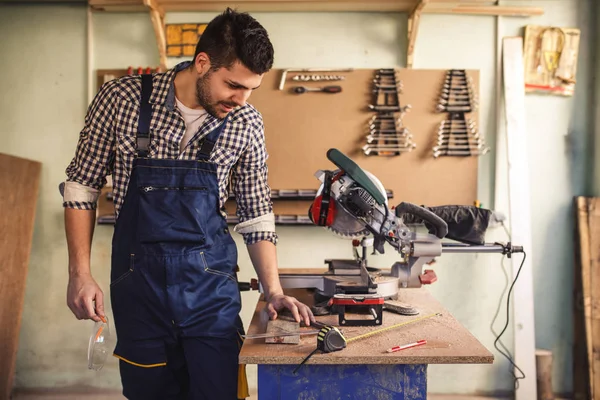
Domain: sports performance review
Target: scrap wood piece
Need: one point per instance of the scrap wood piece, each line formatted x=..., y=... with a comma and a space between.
x=19, y=184
x=282, y=325
x=588, y=235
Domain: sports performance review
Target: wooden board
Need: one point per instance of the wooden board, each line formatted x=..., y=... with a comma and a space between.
x=280, y=325
x=551, y=59
x=587, y=328
x=299, y=130
x=448, y=342
x=19, y=182
x=520, y=214
x=582, y=356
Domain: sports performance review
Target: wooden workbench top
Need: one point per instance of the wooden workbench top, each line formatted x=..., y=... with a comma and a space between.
x=448, y=342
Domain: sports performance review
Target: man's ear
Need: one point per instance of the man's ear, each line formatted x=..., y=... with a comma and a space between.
x=202, y=63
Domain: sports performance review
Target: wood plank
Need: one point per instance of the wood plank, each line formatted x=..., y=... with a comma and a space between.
x=254, y=6
x=19, y=183
x=594, y=282
x=437, y=6
x=283, y=324
x=520, y=215
x=448, y=342
x=503, y=11
x=583, y=385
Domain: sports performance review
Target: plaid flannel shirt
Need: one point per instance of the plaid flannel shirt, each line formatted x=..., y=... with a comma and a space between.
x=107, y=146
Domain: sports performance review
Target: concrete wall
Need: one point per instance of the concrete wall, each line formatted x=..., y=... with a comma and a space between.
x=43, y=104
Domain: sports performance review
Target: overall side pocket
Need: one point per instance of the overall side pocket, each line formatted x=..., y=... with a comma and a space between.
x=215, y=271
x=126, y=273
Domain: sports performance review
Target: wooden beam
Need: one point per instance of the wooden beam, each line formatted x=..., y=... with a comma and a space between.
x=413, y=28
x=520, y=214
x=157, y=16
x=473, y=7
x=436, y=8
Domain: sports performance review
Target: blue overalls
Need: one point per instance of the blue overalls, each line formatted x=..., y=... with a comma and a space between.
x=174, y=290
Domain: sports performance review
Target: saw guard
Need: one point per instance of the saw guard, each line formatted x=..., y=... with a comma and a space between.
x=339, y=220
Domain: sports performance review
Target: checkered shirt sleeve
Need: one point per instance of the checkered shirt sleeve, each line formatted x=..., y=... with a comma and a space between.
x=94, y=157
x=249, y=181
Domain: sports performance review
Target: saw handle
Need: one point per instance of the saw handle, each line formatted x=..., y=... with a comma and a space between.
x=356, y=173
x=441, y=227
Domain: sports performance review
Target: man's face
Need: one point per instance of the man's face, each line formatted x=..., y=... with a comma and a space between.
x=220, y=91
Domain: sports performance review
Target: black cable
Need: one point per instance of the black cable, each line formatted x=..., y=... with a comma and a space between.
x=305, y=360
x=506, y=283
x=506, y=326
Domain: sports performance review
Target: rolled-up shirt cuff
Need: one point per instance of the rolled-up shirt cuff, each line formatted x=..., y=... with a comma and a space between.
x=76, y=195
x=264, y=223
x=255, y=237
x=79, y=205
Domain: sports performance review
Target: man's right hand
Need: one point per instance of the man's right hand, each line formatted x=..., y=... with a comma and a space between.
x=85, y=298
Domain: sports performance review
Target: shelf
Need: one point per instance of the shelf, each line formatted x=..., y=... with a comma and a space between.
x=478, y=7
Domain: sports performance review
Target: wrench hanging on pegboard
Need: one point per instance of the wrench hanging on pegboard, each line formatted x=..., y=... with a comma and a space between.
x=458, y=135
x=386, y=135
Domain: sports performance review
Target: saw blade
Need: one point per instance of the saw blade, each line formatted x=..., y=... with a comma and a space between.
x=346, y=225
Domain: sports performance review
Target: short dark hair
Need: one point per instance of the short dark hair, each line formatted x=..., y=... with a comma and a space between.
x=235, y=36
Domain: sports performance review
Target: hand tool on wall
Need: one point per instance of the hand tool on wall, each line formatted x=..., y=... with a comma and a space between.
x=458, y=135
x=324, y=89
x=318, y=78
x=285, y=72
x=386, y=135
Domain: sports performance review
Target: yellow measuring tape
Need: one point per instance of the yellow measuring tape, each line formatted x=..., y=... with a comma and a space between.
x=392, y=327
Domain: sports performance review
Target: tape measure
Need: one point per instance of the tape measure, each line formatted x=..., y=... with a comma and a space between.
x=330, y=339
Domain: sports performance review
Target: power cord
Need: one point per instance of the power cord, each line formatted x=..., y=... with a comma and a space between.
x=507, y=354
x=506, y=283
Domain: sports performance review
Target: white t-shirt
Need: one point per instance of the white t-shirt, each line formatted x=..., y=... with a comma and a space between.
x=193, y=119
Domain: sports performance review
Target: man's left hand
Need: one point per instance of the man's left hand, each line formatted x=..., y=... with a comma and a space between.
x=300, y=311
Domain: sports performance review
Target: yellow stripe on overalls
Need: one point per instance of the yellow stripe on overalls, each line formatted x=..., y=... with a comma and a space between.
x=140, y=365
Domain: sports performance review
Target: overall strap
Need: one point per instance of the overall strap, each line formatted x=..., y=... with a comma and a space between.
x=143, y=131
x=208, y=143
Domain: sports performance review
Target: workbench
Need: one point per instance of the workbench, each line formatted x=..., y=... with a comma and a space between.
x=364, y=369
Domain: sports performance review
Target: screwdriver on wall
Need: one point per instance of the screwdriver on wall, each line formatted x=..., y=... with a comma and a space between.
x=325, y=89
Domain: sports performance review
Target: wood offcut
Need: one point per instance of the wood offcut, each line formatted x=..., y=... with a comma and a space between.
x=282, y=325
x=19, y=184
x=586, y=347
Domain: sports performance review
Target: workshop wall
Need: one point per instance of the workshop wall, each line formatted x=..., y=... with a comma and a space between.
x=47, y=71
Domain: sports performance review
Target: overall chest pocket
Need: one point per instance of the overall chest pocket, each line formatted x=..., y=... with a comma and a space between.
x=172, y=218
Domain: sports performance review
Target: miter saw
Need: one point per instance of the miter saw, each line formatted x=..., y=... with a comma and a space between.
x=352, y=203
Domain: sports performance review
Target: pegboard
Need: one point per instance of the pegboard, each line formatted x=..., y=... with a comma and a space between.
x=300, y=128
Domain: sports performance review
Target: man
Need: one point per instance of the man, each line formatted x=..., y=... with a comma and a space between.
x=173, y=142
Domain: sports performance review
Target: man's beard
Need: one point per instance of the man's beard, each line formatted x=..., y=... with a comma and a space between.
x=204, y=98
